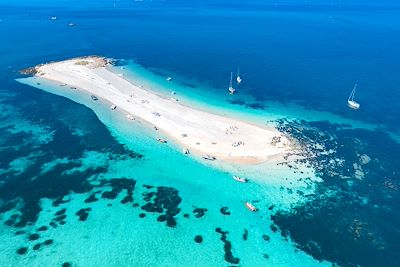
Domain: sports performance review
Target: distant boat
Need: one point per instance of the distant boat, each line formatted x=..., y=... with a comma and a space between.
x=186, y=151
x=238, y=79
x=231, y=89
x=251, y=207
x=161, y=140
x=113, y=107
x=350, y=102
x=209, y=157
x=240, y=179
x=94, y=97
x=53, y=18
x=169, y=79
x=130, y=117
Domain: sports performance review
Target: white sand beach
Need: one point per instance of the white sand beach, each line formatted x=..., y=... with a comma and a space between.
x=201, y=132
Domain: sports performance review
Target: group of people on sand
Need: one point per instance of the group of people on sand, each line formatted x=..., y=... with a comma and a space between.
x=231, y=129
x=239, y=143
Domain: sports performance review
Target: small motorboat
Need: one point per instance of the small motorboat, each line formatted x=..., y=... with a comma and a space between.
x=173, y=93
x=113, y=107
x=161, y=140
x=251, y=207
x=53, y=18
x=209, y=157
x=94, y=97
x=240, y=179
x=186, y=151
x=169, y=79
x=130, y=117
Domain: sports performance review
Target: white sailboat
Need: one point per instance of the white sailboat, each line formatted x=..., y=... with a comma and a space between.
x=238, y=78
x=350, y=102
x=231, y=89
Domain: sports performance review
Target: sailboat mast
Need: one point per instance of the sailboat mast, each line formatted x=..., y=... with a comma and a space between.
x=351, y=97
x=354, y=92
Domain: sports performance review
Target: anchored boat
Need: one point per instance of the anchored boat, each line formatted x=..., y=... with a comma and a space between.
x=240, y=179
x=209, y=157
x=251, y=207
x=350, y=102
x=161, y=140
x=94, y=97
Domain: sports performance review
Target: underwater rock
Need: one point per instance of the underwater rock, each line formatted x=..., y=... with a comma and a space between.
x=127, y=199
x=227, y=247
x=198, y=239
x=245, y=234
x=166, y=199
x=19, y=232
x=60, y=218
x=33, y=237
x=148, y=196
x=224, y=211
x=42, y=228
x=48, y=242
x=9, y=222
x=142, y=215
x=83, y=214
x=22, y=251
x=61, y=200
x=199, y=212
x=92, y=198
x=60, y=212
x=36, y=247
x=119, y=184
x=266, y=237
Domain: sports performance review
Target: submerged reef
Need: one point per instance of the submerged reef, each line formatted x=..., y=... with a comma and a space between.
x=165, y=200
x=352, y=219
x=23, y=190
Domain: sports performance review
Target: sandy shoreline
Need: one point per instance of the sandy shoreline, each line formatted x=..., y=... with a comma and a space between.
x=201, y=132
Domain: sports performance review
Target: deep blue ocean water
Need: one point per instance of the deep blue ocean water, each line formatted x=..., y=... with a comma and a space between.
x=293, y=52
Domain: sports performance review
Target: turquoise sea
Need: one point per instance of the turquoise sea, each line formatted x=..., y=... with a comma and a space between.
x=81, y=186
